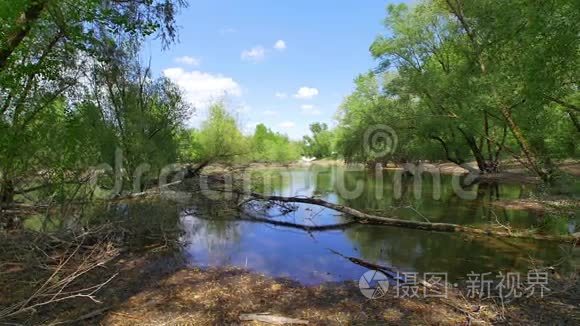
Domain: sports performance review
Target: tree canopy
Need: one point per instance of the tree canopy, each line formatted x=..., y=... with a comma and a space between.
x=480, y=80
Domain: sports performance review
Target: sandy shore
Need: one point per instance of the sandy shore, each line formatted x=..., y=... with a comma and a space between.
x=511, y=171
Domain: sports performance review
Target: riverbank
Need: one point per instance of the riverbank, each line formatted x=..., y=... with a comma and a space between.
x=511, y=171
x=157, y=284
x=219, y=296
x=564, y=206
x=155, y=289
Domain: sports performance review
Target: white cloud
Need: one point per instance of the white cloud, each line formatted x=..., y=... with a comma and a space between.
x=280, y=45
x=270, y=113
x=192, y=61
x=306, y=92
x=254, y=54
x=286, y=125
x=280, y=95
x=201, y=88
x=309, y=109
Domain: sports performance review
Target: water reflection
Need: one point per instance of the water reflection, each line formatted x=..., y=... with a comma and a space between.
x=306, y=257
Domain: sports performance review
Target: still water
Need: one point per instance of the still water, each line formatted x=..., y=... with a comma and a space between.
x=210, y=236
x=308, y=257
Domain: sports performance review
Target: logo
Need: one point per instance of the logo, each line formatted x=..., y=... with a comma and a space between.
x=380, y=141
x=373, y=284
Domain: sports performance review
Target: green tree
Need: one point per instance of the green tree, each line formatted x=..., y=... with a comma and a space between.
x=268, y=146
x=474, y=70
x=45, y=49
x=220, y=137
x=320, y=144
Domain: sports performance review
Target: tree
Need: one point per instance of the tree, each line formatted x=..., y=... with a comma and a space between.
x=320, y=144
x=45, y=47
x=373, y=105
x=473, y=69
x=268, y=146
x=220, y=137
x=83, y=25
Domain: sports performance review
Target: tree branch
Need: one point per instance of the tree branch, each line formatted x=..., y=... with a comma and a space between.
x=381, y=220
x=21, y=28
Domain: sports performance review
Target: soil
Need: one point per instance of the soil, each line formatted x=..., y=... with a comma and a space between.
x=156, y=289
x=564, y=206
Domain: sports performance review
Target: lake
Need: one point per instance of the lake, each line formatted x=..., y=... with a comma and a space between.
x=308, y=257
x=210, y=236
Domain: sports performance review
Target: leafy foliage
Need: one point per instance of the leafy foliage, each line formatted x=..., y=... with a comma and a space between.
x=73, y=92
x=268, y=146
x=321, y=143
x=220, y=138
x=478, y=80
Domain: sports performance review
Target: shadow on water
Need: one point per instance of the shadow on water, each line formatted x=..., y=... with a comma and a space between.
x=306, y=257
x=206, y=235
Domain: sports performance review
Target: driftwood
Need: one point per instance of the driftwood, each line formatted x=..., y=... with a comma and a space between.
x=189, y=171
x=440, y=227
x=271, y=319
x=64, y=283
x=308, y=228
x=388, y=271
x=192, y=171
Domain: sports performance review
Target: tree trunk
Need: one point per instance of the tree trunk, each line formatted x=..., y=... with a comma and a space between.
x=455, y=160
x=574, y=119
x=479, y=158
x=490, y=157
x=7, y=193
x=523, y=143
x=381, y=220
x=22, y=26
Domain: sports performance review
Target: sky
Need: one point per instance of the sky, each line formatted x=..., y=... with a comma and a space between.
x=282, y=63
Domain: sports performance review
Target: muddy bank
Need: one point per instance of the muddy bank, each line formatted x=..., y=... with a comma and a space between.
x=564, y=206
x=510, y=171
x=220, y=167
x=220, y=296
x=155, y=289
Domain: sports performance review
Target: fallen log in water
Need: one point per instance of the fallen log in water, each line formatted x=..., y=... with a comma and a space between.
x=388, y=271
x=307, y=228
x=428, y=226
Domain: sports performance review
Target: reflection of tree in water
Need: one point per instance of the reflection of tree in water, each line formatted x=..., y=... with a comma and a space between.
x=315, y=181
x=453, y=253
x=210, y=233
x=142, y=223
x=382, y=196
x=324, y=183
x=209, y=227
x=270, y=181
x=427, y=251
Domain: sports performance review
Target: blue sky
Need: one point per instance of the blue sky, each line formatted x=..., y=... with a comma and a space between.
x=282, y=63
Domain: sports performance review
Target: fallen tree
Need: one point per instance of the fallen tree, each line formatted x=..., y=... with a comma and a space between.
x=307, y=228
x=428, y=226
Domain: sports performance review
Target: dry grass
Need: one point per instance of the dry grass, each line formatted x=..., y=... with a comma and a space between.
x=219, y=296
x=157, y=289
